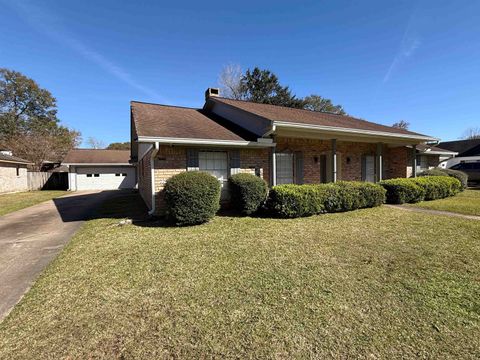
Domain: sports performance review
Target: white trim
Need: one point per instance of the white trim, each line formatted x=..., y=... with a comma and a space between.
x=187, y=141
x=350, y=130
x=428, y=152
x=156, y=147
x=15, y=162
x=98, y=164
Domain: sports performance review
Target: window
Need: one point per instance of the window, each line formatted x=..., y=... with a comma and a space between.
x=422, y=163
x=215, y=163
x=89, y=175
x=117, y=174
x=96, y=175
x=124, y=174
x=18, y=170
x=284, y=168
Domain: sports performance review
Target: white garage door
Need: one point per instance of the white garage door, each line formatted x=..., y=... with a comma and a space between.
x=105, y=178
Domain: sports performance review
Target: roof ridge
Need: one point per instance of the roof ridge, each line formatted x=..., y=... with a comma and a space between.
x=316, y=112
x=165, y=105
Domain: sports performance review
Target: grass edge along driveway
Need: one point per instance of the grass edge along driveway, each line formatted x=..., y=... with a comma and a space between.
x=374, y=283
x=20, y=200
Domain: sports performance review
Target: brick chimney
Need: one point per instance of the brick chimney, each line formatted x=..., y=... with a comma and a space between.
x=211, y=92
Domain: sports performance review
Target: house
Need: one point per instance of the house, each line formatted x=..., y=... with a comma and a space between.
x=430, y=156
x=99, y=169
x=281, y=145
x=13, y=172
x=467, y=151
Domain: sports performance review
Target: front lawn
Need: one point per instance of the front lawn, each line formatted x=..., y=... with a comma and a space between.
x=16, y=201
x=467, y=202
x=376, y=283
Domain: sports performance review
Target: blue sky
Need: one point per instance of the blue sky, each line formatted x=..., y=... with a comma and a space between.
x=382, y=60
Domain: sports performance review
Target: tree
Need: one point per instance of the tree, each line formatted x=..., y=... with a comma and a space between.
x=28, y=120
x=94, y=143
x=318, y=103
x=119, y=146
x=230, y=82
x=262, y=86
x=471, y=133
x=402, y=124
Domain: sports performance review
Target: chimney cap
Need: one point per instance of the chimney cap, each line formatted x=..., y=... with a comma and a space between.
x=211, y=92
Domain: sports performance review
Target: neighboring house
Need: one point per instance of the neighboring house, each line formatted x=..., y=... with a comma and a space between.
x=92, y=169
x=430, y=156
x=13, y=172
x=281, y=145
x=468, y=151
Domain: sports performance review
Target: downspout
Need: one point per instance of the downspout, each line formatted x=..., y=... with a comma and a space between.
x=156, y=147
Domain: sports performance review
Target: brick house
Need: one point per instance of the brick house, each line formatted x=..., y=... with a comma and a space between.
x=281, y=145
x=13, y=172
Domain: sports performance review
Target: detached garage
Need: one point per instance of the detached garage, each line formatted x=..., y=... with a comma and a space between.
x=92, y=169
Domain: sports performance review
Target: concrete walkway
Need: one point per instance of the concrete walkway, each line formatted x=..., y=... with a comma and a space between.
x=433, y=212
x=30, y=238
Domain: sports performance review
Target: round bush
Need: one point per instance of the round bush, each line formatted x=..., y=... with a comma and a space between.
x=192, y=197
x=459, y=175
x=248, y=192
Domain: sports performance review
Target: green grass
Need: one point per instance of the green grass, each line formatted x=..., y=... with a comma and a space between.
x=467, y=202
x=374, y=283
x=16, y=201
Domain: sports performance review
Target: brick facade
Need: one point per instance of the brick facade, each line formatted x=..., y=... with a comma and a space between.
x=172, y=160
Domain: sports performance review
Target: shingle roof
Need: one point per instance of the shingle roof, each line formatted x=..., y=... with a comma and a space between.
x=13, y=159
x=463, y=147
x=426, y=148
x=285, y=114
x=97, y=156
x=157, y=120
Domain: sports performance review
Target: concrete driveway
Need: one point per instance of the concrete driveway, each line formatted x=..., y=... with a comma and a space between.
x=30, y=238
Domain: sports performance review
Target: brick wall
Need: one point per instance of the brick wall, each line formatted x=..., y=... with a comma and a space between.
x=350, y=155
x=9, y=181
x=172, y=160
x=396, y=161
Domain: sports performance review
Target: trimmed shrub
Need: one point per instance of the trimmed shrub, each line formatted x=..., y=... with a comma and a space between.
x=400, y=191
x=192, y=197
x=248, y=192
x=459, y=175
x=305, y=200
x=413, y=190
x=439, y=187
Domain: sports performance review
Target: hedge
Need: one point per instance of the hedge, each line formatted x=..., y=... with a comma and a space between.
x=192, y=197
x=248, y=192
x=400, y=191
x=459, y=175
x=292, y=201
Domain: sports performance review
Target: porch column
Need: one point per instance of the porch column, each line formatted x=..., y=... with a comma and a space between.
x=414, y=160
x=274, y=168
x=334, y=160
x=379, y=162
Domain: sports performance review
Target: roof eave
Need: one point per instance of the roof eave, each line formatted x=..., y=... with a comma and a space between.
x=351, y=131
x=209, y=142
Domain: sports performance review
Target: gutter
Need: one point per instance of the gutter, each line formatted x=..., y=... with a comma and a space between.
x=187, y=141
x=156, y=147
x=286, y=124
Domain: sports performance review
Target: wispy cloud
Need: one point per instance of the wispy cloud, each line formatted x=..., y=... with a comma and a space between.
x=409, y=44
x=51, y=25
